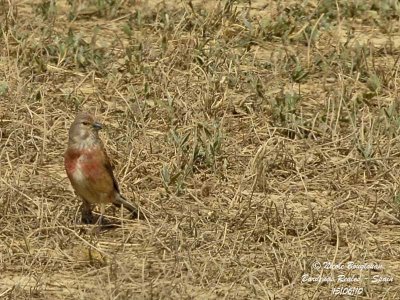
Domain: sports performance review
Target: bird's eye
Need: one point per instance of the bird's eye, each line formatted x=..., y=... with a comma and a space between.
x=85, y=123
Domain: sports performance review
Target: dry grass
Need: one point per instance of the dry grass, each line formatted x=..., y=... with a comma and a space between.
x=260, y=139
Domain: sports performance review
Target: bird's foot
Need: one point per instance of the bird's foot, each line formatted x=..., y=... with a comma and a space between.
x=87, y=217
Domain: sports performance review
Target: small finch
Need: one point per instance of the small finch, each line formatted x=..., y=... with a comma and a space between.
x=89, y=169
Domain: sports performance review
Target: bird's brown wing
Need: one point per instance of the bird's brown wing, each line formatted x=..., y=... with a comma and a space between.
x=119, y=199
x=109, y=169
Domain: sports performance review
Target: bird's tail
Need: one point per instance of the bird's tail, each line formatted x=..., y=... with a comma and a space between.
x=120, y=200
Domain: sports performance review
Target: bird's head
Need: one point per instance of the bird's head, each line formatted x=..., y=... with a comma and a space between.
x=84, y=131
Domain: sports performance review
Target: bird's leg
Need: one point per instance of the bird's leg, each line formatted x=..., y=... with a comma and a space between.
x=98, y=225
x=86, y=210
x=102, y=211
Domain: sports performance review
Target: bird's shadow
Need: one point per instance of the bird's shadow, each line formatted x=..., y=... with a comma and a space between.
x=105, y=223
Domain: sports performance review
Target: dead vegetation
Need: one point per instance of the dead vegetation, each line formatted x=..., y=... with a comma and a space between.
x=260, y=139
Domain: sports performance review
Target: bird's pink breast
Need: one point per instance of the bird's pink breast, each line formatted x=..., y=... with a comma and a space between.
x=70, y=161
x=82, y=164
x=88, y=174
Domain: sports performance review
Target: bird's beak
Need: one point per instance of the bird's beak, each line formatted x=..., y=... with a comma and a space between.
x=97, y=125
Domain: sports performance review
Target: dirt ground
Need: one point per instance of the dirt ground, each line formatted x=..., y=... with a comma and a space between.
x=261, y=139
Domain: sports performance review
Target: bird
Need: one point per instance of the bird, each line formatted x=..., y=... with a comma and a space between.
x=89, y=169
